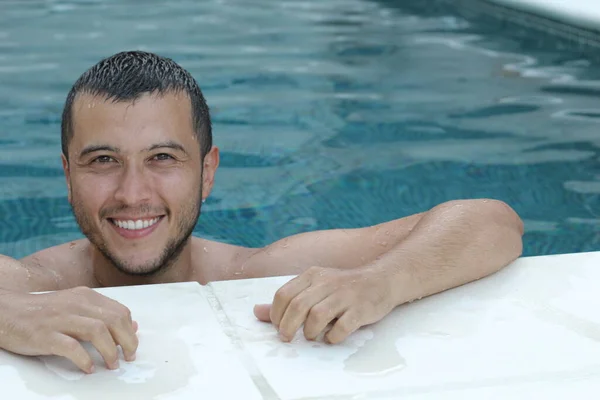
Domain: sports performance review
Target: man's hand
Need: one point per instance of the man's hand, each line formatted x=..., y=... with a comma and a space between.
x=55, y=323
x=353, y=298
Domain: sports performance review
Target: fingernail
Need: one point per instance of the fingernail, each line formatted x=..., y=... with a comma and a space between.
x=114, y=365
x=92, y=369
x=130, y=358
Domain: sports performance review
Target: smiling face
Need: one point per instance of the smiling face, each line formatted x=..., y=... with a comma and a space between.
x=136, y=178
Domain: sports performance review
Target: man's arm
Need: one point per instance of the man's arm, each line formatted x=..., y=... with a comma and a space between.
x=334, y=248
x=54, y=323
x=59, y=267
x=462, y=230
x=19, y=276
x=452, y=244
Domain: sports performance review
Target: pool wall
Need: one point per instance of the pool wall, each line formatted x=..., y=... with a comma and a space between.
x=577, y=20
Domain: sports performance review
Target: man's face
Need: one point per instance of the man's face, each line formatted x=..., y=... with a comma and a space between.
x=135, y=178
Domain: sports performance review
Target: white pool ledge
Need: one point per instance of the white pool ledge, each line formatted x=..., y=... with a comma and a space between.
x=580, y=13
x=530, y=331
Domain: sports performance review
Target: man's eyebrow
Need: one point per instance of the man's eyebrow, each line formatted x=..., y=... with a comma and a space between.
x=98, y=147
x=168, y=144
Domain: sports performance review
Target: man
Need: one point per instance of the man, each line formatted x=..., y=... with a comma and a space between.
x=138, y=158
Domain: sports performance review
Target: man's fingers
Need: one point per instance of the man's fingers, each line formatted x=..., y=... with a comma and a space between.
x=123, y=333
x=104, y=303
x=66, y=346
x=117, y=319
x=344, y=326
x=321, y=315
x=284, y=296
x=298, y=310
x=263, y=312
x=135, y=326
x=96, y=332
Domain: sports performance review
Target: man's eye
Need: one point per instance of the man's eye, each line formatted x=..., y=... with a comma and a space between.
x=162, y=157
x=103, y=159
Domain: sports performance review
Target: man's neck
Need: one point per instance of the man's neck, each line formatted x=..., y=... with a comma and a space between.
x=106, y=275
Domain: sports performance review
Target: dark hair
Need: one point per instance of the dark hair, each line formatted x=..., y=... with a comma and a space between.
x=128, y=75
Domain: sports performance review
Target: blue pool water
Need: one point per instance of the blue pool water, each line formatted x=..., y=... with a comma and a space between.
x=342, y=113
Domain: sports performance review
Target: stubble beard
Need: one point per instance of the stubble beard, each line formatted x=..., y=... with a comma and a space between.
x=169, y=255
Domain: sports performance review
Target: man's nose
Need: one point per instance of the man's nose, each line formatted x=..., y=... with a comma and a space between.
x=134, y=187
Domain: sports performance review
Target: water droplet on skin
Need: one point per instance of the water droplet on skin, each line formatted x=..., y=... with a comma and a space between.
x=383, y=244
x=205, y=249
x=72, y=245
x=387, y=233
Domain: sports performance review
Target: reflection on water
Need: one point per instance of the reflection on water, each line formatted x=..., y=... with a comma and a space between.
x=354, y=111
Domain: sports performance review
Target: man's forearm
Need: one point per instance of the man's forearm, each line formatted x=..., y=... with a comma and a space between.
x=453, y=244
x=18, y=277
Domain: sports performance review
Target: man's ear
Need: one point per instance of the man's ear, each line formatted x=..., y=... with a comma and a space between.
x=65, y=165
x=209, y=168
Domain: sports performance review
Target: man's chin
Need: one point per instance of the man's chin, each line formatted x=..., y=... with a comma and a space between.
x=137, y=266
x=144, y=260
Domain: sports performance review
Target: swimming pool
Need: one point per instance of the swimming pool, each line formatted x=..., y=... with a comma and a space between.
x=329, y=114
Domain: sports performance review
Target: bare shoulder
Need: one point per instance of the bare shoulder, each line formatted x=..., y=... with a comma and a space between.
x=67, y=263
x=217, y=261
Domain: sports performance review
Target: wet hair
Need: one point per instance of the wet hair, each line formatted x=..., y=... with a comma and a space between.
x=126, y=76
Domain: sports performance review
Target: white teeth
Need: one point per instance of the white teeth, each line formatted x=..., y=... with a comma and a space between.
x=135, y=225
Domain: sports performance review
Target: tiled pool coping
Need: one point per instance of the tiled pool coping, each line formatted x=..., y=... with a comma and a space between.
x=531, y=328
